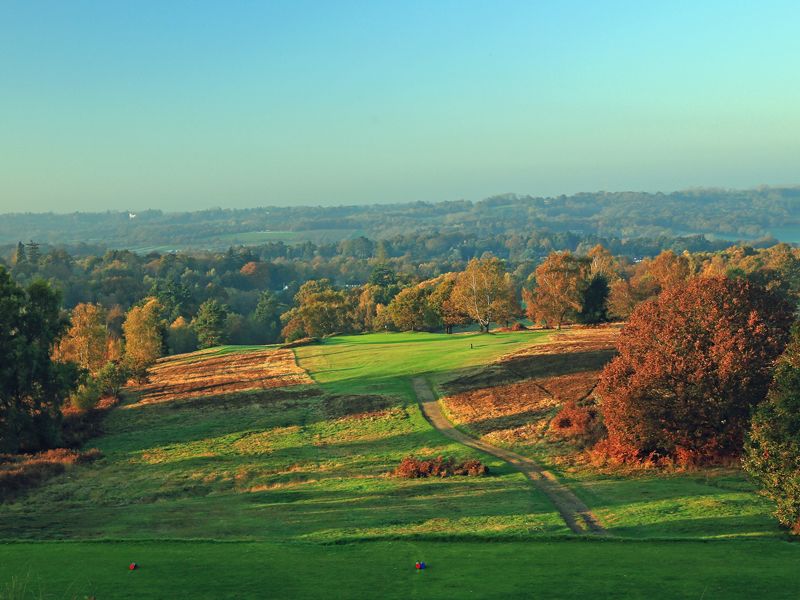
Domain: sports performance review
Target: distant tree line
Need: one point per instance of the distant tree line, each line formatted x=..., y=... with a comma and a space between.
x=732, y=214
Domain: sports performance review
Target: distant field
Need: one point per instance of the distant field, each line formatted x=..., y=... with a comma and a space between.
x=223, y=485
x=252, y=238
x=318, y=236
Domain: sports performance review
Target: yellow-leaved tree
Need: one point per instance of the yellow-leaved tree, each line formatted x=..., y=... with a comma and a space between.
x=485, y=292
x=144, y=331
x=87, y=341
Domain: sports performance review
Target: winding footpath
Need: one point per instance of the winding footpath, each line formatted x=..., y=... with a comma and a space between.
x=575, y=513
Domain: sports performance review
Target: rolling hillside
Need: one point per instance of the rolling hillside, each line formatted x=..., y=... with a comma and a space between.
x=238, y=470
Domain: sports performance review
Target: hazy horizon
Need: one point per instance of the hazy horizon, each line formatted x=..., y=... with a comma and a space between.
x=190, y=106
x=135, y=209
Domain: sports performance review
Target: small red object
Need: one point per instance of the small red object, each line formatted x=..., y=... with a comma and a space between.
x=133, y=566
x=418, y=566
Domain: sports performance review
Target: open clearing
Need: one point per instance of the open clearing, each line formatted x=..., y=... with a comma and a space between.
x=236, y=474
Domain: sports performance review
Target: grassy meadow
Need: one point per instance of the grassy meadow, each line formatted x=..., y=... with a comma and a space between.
x=224, y=480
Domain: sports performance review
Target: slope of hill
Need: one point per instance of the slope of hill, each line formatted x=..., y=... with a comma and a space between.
x=236, y=472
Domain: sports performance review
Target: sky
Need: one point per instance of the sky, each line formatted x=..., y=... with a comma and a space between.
x=112, y=105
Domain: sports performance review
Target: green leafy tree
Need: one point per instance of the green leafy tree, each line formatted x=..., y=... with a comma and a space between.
x=181, y=338
x=112, y=378
x=209, y=324
x=32, y=385
x=772, y=450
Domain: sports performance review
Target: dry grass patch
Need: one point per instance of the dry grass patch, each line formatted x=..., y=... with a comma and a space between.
x=180, y=378
x=20, y=472
x=570, y=351
x=518, y=395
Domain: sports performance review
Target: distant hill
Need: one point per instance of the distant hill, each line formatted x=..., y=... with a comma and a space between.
x=725, y=214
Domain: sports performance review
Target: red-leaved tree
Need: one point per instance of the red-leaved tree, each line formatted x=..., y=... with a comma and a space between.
x=692, y=363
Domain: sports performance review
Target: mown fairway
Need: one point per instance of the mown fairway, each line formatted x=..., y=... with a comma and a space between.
x=231, y=487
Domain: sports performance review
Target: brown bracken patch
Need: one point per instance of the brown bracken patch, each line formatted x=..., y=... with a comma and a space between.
x=183, y=377
x=513, y=399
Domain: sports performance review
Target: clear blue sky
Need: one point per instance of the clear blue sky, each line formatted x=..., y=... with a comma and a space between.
x=188, y=105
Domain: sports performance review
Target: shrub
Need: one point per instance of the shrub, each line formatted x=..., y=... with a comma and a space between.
x=412, y=468
x=87, y=395
x=112, y=378
x=772, y=450
x=692, y=363
x=578, y=422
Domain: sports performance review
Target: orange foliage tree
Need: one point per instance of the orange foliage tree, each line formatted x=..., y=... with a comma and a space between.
x=692, y=363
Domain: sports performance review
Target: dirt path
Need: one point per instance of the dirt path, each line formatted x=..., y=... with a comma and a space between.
x=574, y=512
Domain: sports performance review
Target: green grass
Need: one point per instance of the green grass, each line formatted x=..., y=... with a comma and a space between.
x=285, y=494
x=284, y=465
x=502, y=570
x=318, y=236
x=384, y=362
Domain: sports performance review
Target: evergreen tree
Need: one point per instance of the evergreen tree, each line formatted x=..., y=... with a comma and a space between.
x=33, y=253
x=594, y=302
x=209, y=324
x=267, y=317
x=20, y=257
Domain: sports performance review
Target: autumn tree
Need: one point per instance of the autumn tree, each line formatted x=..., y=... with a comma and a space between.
x=602, y=263
x=692, y=363
x=559, y=283
x=366, y=310
x=181, y=338
x=321, y=310
x=86, y=342
x=144, y=332
x=256, y=274
x=209, y=324
x=483, y=291
x=410, y=310
x=772, y=450
x=646, y=279
x=441, y=302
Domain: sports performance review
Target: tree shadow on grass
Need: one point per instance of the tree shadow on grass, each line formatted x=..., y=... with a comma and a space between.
x=515, y=369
